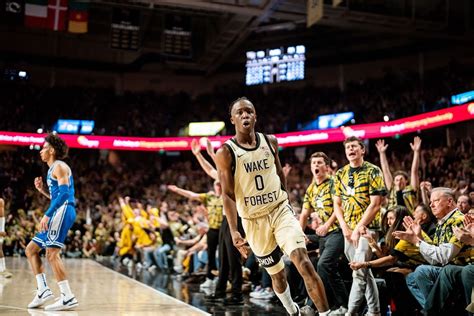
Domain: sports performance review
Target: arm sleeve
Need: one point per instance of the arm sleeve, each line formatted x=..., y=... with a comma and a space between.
x=59, y=200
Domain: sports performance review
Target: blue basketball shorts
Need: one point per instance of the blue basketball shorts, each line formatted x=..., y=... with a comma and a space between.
x=58, y=226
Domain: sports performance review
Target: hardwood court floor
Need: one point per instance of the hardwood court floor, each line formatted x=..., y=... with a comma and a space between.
x=99, y=290
x=188, y=291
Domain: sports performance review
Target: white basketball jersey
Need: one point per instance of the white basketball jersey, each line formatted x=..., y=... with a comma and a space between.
x=257, y=186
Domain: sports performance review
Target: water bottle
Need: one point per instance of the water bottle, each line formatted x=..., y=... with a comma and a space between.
x=389, y=310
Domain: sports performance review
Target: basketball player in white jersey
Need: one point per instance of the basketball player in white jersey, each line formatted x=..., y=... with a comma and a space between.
x=253, y=186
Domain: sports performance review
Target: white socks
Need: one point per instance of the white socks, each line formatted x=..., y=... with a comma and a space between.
x=41, y=281
x=2, y=224
x=2, y=264
x=63, y=285
x=64, y=288
x=286, y=300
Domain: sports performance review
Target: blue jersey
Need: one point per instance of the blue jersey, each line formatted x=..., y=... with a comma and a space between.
x=62, y=213
x=54, y=186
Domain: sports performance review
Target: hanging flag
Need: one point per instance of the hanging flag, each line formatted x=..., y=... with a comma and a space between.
x=57, y=13
x=336, y=3
x=36, y=13
x=14, y=11
x=315, y=12
x=78, y=17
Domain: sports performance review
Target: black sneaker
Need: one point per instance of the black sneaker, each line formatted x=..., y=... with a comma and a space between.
x=234, y=300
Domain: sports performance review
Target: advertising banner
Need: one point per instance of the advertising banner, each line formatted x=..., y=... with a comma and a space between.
x=366, y=131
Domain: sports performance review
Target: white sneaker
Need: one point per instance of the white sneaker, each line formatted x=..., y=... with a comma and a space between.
x=298, y=311
x=207, y=284
x=63, y=303
x=125, y=261
x=341, y=311
x=257, y=290
x=265, y=294
x=41, y=297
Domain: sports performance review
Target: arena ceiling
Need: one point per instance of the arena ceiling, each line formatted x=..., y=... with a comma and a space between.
x=222, y=30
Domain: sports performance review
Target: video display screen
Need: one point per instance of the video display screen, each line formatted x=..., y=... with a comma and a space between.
x=74, y=126
x=275, y=65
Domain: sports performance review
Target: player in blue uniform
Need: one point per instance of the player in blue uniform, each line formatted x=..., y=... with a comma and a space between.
x=54, y=226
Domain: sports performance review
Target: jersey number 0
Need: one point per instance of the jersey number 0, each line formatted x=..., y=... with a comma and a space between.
x=259, y=182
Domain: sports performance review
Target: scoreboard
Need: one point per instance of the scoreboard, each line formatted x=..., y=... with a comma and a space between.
x=275, y=65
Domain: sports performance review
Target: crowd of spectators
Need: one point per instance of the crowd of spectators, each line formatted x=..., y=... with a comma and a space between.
x=105, y=180
x=124, y=196
x=101, y=178
x=397, y=94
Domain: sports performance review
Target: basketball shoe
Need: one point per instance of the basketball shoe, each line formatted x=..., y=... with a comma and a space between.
x=63, y=303
x=41, y=297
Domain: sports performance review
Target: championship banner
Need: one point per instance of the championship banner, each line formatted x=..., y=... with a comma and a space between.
x=177, y=36
x=125, y=29
x=406, y=125
x=315, y=12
